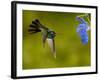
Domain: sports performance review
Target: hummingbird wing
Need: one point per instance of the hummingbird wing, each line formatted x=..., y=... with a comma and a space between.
x=44, y=37
x=43, y=30
x=51, y=43
x=36, y=26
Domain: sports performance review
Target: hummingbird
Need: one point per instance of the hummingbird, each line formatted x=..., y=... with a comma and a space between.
x=83, y=28
x=47, y=34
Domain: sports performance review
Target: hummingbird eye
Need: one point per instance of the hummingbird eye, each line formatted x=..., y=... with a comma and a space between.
x=52, y=32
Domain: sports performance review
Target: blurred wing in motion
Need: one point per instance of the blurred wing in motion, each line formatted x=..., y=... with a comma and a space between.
x=44, y=37
x=44, y=31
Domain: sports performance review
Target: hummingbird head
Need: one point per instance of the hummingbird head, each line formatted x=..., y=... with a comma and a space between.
x=51, y=34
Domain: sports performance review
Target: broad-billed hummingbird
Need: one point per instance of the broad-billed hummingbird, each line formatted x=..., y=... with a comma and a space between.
x=47, y=34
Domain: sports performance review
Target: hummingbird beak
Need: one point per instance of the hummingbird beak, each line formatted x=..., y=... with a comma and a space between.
x=52, y=46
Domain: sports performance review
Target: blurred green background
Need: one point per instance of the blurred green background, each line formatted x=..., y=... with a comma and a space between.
x=69, y=49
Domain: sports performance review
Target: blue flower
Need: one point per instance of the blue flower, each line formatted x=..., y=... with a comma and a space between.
x=82, y=30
